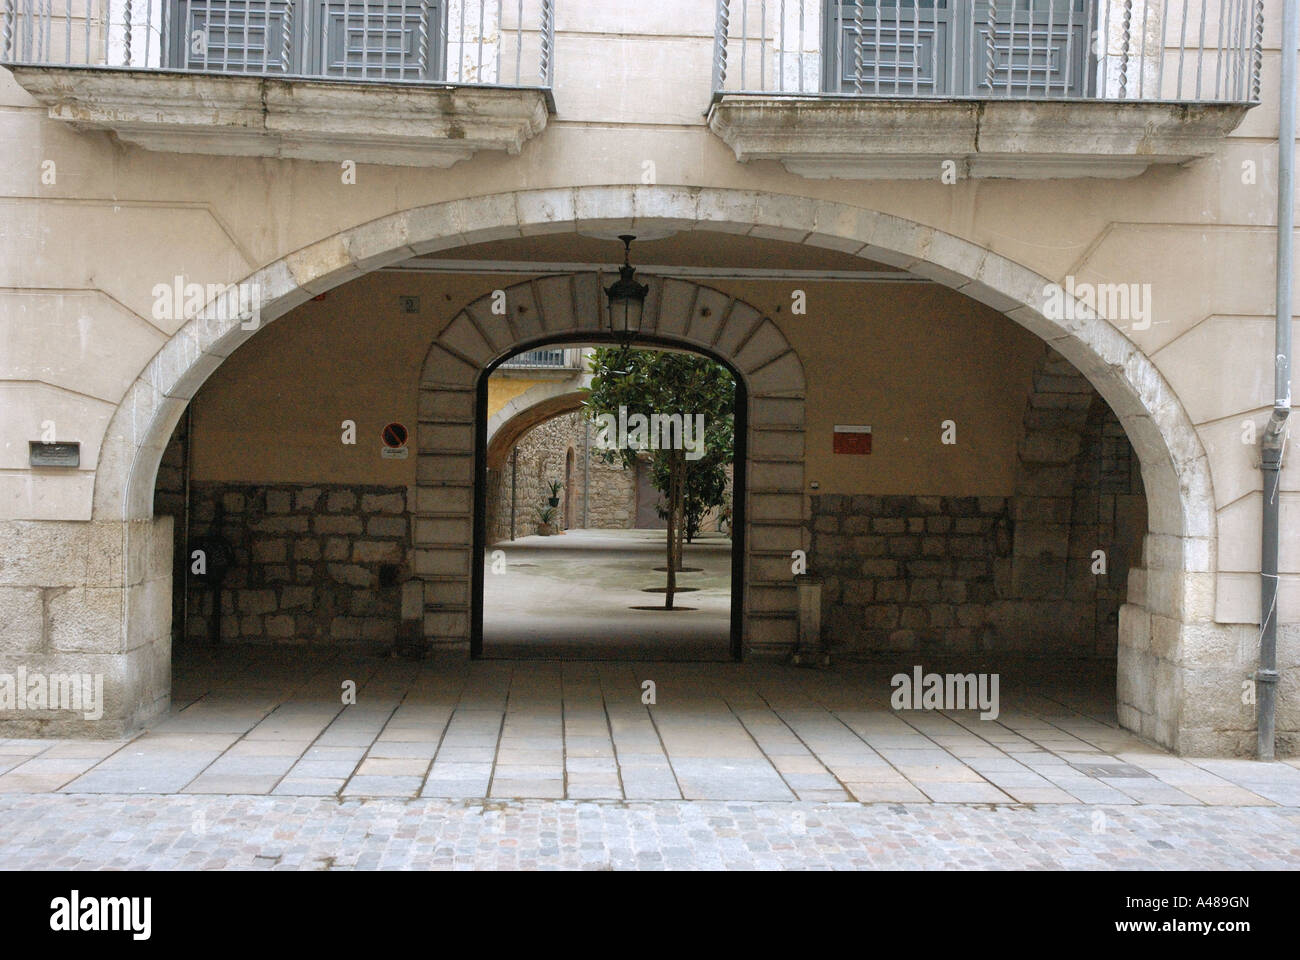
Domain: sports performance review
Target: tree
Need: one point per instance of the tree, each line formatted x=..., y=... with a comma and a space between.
x=633, y=394
x=706, y=485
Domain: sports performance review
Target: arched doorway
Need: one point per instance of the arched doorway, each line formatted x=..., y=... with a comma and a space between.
x=743, y=580
x=1174, y=597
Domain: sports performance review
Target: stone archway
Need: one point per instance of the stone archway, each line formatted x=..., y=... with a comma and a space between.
x=506, y=430
x=568, y=307
x=1058, y=406
x=521, y=414
x=1170, y=644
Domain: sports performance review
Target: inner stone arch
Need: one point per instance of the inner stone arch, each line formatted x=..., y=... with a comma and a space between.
x=571, y=307
x=523, y=413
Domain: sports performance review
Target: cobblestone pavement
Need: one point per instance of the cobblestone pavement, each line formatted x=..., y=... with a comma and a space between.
x=276, y=725
x=317, y=833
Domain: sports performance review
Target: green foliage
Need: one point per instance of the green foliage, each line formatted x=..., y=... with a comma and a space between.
x=546, y=515
x=706, y=486
x=652, y=382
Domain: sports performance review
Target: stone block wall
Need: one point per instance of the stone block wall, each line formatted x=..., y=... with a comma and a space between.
x=1109, y=513
x=908, y=573
x=999, y=575
x=319, y=564
x=541, y=458
x=612, y=503
x=87, y=598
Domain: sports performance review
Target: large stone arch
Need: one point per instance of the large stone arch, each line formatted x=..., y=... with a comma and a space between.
x=1167, y=627
x=572, y=307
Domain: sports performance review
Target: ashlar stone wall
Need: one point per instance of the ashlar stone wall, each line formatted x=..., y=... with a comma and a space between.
x=1040, y=573
x=541, y=458
x=318, y=564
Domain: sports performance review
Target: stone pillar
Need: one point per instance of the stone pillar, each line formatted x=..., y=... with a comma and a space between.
x=90, y=600
x=812, y=648
x=1183, y=677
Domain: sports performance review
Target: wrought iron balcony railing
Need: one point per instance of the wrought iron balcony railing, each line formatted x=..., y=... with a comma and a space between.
x=482, y=42
x=555, y=358
x=1145, y=50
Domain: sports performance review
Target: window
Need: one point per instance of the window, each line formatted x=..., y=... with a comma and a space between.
x=344, y=39
x=959, y=48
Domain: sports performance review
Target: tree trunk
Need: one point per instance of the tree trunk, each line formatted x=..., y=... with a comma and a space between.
x=679, y=528
x=670, y=539
x=676, y=491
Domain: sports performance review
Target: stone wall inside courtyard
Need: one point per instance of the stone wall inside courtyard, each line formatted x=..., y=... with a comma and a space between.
x=952, y=575
x=538, y=458
x=312, y=564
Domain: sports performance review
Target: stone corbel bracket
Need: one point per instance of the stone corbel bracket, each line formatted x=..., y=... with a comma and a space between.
x=292, y=118
x=857, y=138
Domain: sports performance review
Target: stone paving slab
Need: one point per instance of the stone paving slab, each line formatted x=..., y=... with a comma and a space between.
x=324, y=833
x=549, y=730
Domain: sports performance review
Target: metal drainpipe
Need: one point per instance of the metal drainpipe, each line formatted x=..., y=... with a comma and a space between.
x=185, y=528
x=1273, y=443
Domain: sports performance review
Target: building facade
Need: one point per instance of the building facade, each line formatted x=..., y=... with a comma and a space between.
x=1031, y=246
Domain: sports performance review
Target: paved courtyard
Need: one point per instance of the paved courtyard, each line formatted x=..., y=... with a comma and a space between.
x=576, y=596
x=260, y=763
x=274, y=722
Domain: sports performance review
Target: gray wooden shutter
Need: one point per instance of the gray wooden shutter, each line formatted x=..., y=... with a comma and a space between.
x=356, y=39
x=904, y=49
x=233, y=36
x=1038, y=48
x=946, y=47
x=393, y=40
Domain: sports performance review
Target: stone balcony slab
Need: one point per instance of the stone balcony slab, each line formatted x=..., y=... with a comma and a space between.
x=859, y=138
x=293, y=118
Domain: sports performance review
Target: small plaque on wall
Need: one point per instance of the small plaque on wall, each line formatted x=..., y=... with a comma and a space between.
x=852, y=439
x=41, y=454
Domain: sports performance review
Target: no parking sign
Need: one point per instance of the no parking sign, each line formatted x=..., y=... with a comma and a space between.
x=395, y=436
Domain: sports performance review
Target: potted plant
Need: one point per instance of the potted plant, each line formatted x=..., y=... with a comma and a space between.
x=546, y=521
x=554, y=499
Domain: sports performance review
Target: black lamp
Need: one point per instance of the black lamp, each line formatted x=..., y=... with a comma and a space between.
x=626, y=297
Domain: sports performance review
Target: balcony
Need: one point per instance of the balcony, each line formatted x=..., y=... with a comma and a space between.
x=1033, y=89
x=406, y=82
x=566, y=361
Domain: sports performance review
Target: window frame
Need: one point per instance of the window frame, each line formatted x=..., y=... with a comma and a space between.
x=311, y=38
x=960, y=61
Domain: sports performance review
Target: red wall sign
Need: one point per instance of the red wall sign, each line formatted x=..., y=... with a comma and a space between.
x=852, y=439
